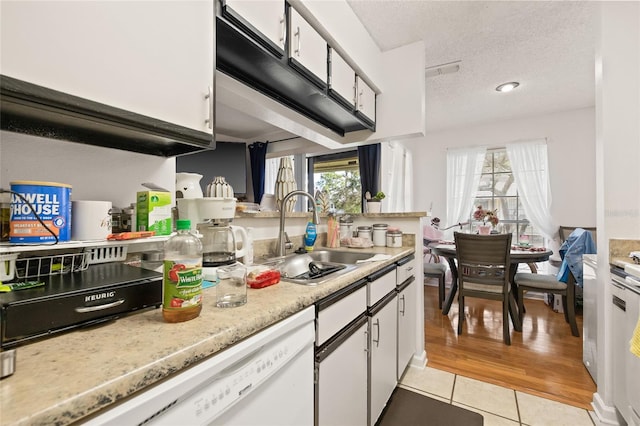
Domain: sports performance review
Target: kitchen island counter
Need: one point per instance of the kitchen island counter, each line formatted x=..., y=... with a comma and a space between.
x=65, y=378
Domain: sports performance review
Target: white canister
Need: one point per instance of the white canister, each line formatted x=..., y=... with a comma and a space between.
x=379, y=234
x=364, y=232
x=90, y=220
x=394, y=238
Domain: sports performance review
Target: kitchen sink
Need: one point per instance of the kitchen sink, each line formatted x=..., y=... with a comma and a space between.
x=346, y=257
x=316, y=267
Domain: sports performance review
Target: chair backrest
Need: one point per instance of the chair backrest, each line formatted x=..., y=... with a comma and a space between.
x=484, y=259
x=565, y=231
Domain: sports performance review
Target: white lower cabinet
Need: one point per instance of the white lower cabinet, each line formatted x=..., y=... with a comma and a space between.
x=356, y=356
x=383, y=362
x=341, y=378
x=407, y=315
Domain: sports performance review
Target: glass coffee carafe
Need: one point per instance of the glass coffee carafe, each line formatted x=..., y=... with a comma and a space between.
x=219, y=244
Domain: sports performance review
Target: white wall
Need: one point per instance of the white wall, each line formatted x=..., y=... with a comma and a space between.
x=95, y=173
x=571, y=148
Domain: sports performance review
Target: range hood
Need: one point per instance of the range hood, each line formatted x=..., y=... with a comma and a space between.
x=35, y=110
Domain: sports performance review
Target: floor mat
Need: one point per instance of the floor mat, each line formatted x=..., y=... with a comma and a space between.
x=408, y=408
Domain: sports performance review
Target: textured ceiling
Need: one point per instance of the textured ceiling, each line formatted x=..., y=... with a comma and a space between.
x=546, y=46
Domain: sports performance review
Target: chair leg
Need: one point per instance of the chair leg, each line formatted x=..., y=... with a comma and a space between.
x=565, y=310
x=514, y=313
x=521, y=303
x=460, y=311
x=505, y=321
x=570, y=309
x=440, y=291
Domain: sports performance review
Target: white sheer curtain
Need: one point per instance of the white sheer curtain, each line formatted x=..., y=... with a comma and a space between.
x=270, y=172
x=464, y=167
x=396, y=177
x=530, y=168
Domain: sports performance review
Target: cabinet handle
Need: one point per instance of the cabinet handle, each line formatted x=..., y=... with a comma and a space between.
x=402, y=310
x=296, y=51
x=360, y=99
x=85, y=309
x=366, y=341
x=409, y=269
x=377, y=339
x=209, y=96
x=283, y=28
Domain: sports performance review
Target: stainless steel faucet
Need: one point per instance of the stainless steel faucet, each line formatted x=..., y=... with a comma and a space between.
x=281, y=234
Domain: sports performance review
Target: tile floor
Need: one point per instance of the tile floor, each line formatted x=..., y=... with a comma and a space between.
x=499, y=405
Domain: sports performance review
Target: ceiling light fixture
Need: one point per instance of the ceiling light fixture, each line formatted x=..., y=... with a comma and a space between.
x=448, y=68
x=507, y=87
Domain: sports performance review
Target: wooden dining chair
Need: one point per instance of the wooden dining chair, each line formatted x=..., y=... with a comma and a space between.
x=544, y=283
x=483, y=272
x=434, y=268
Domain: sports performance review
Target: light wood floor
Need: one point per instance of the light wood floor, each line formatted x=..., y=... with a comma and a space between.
x=543, y=360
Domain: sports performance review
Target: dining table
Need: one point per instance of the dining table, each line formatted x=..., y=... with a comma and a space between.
x=518, y=255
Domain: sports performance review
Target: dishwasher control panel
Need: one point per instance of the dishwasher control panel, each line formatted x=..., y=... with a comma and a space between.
x=231, y=386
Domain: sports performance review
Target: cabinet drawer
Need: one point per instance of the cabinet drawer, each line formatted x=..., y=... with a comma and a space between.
x=380, y=287
x=405, y=270
x=333, y=317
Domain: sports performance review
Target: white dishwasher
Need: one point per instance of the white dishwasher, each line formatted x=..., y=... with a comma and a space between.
x=266, y=379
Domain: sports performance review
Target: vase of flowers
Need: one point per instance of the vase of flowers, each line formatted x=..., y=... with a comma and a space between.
x=486, y=216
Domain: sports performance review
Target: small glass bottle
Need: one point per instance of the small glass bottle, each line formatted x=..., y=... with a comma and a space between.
x=5, y=215
x=182, y=275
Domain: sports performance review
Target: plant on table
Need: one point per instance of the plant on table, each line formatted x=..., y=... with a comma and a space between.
x=485, y=216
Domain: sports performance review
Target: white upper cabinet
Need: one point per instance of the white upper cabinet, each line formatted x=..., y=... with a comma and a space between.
x=366, y=99
x=307, y=49
x=154, y=58
x=342, y=78
x=265, y=16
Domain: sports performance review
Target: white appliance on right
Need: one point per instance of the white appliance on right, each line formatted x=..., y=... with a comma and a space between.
x=625, y=292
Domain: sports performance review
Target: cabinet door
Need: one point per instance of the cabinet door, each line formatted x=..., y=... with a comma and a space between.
x=342, y=79
x=341, y=387
x=383, y=366
x=265, y=16
x=307, y=49
x=366, y=104
x=153, y=58
x=406, y=326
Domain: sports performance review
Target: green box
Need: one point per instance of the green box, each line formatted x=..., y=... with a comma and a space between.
x=153, y=212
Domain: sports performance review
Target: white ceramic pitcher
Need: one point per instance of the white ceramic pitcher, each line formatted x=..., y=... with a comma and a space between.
x=188, y=185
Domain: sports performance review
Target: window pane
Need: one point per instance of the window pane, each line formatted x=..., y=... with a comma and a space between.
x=505, y=185
x=497, y=190
x=338, y=176
x=501, y=162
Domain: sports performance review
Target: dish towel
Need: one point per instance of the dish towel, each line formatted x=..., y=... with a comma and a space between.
x=635, y=340
x=375, y=258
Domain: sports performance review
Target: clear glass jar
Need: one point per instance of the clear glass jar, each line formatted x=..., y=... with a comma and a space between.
x=231, y=290
x=346, y=228
x=379, y=234
x=364, y=232
x=394, y=238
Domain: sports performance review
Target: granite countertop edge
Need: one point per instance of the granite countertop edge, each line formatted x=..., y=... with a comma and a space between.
x=104, y=365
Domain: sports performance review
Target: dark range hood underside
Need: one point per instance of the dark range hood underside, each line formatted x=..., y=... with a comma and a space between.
x=248, y=61
x=35, y=110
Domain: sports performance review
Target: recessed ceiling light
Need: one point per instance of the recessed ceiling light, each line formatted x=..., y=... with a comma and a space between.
x=507, y=87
